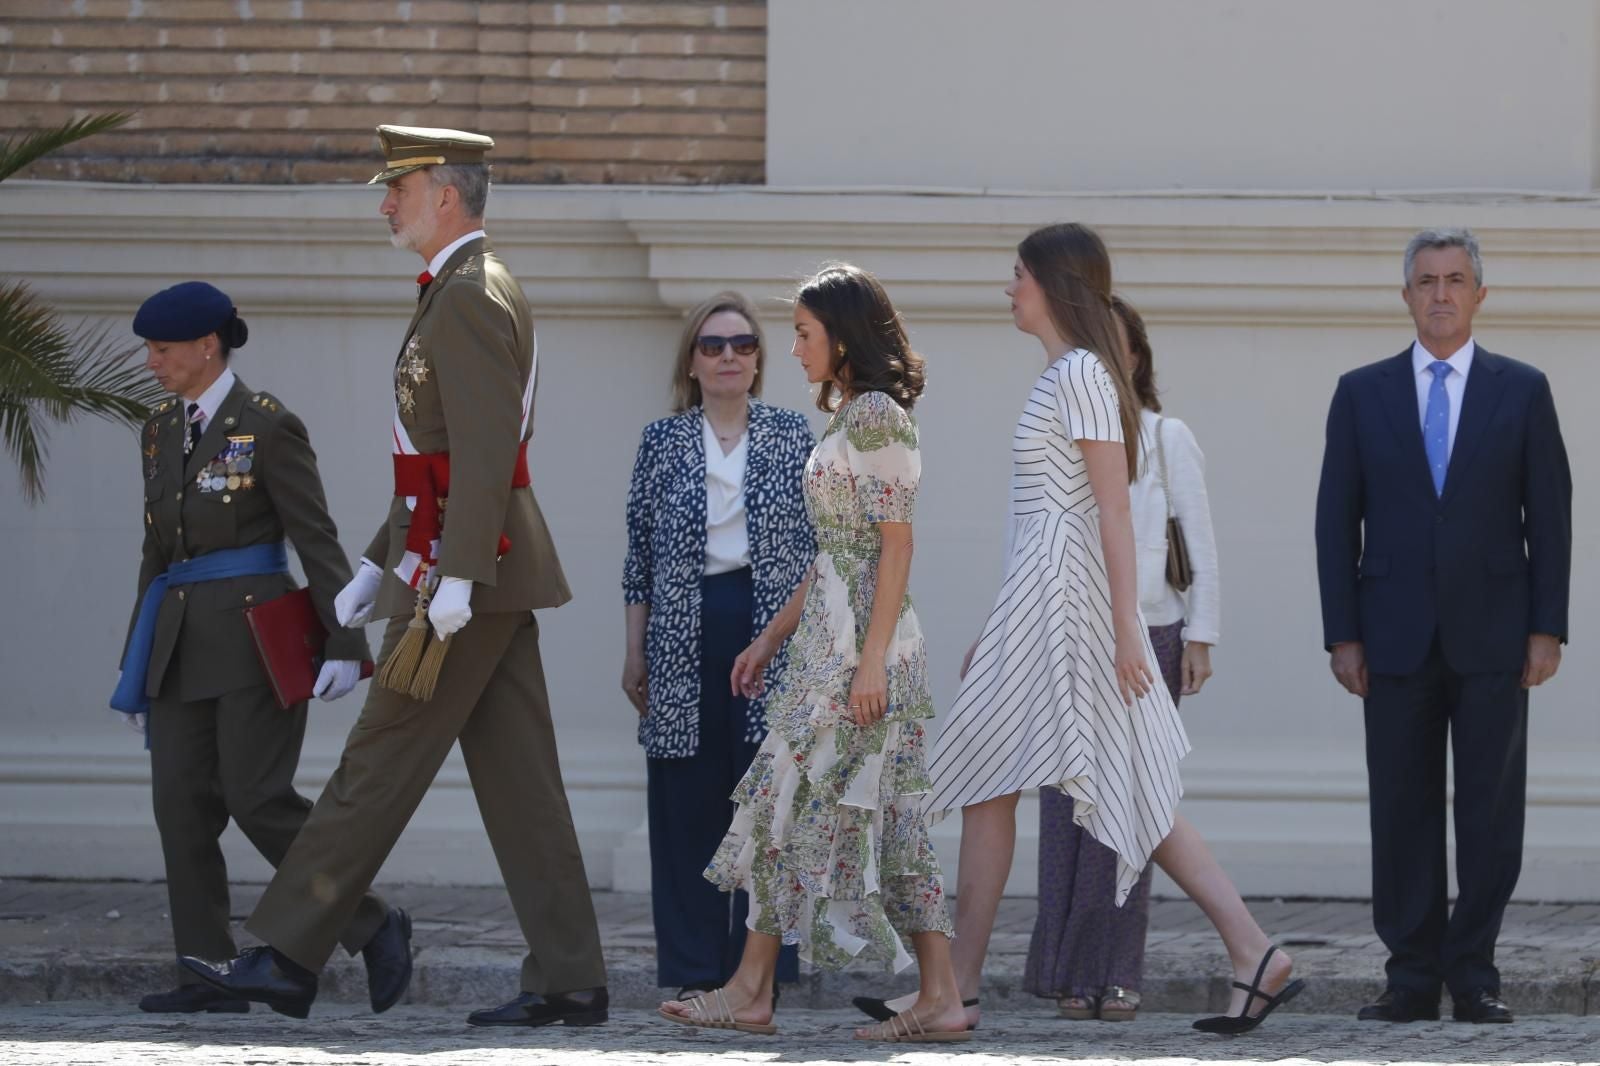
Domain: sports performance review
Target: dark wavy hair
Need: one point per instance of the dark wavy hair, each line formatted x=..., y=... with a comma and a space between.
x=1072, y=266
x=867, y=343
x=1144, y=360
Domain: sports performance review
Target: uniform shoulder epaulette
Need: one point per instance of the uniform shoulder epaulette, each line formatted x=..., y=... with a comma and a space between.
x=161, y=408
x=266, y=401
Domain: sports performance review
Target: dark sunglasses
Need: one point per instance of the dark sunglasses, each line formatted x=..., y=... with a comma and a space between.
x=711, y=345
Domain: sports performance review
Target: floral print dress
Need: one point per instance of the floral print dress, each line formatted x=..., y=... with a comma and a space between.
x=829, y=838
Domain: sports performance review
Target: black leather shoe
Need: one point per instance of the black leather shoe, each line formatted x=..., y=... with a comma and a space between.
x=1483, y=1007
x=587, y=1006
x=256, y=975
x=388, y=959
x=1400, y=1005
x=192, y=999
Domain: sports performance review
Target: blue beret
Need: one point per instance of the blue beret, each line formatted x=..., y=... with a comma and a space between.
x=183, y=312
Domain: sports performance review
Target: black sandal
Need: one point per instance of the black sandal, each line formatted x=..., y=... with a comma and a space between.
x=1234, y=1025
x=880, y=1011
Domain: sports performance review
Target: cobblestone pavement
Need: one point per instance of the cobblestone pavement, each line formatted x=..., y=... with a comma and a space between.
x=98, y=1034
x=71, y=940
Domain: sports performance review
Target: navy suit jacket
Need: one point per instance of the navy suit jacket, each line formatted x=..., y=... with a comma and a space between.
x=1482, y=565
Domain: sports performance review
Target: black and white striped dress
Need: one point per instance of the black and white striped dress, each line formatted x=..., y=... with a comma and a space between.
x=1039, y=705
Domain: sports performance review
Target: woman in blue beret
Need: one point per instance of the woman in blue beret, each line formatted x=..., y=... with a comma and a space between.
x=229, y=477
x=718, y=539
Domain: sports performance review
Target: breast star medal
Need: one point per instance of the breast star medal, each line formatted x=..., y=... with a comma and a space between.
x=412, y=364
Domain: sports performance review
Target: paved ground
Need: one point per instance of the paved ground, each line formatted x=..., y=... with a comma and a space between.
x=98, y=1034
x=76, y=941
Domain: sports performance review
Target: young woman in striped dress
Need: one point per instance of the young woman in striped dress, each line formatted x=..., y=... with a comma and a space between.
x=1058, y=692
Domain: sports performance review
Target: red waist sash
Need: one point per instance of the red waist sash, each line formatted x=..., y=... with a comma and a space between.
x=427, y=477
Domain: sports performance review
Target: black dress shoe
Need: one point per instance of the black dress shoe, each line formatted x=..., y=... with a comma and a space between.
x=192, y=999
x=258, y=975
x=1483, y=1007
x=880, y=1011
x=587, y=1006
x=1400, y=1005
x=388, y=959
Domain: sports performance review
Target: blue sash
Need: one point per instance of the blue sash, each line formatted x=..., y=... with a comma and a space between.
x=254, y=561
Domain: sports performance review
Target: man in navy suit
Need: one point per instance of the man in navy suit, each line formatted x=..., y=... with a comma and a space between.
x=1444, y=541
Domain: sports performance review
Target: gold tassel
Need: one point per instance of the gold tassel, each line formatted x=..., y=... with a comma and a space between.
x=427, y=675
x=400, y=668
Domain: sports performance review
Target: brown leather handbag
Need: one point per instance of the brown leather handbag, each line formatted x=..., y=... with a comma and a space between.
x=1179, y=572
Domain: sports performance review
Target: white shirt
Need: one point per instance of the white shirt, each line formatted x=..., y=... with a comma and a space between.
x=437, y=263
x=727, y=538
x=212, y=398
x=1161, y=604
x=1455, y=384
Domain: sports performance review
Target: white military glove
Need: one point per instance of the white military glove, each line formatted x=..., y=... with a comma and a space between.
x=337, y=678
x=135, y=722
x=451, y=607
x=353, y=606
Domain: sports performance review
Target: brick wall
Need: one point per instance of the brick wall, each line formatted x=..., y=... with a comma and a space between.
x=289, y=90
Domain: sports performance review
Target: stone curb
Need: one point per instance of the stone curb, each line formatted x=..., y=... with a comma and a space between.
x=475, y=977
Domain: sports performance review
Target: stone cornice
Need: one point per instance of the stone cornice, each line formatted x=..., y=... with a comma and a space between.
x=584, y=251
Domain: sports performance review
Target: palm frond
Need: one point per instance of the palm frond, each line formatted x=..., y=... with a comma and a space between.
x=50, y=374
x=17, y=152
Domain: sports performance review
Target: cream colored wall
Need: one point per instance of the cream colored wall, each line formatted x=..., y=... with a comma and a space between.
x=1168, y=94
x=1256, y=305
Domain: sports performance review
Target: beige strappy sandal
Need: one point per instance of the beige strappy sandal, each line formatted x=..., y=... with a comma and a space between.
x=711, y=1011
x=906, y=1028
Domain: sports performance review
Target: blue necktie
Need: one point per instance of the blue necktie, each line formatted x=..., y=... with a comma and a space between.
x=1436, y=426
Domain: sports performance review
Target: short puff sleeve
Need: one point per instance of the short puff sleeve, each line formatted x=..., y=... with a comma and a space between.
x=881, y=448
x=1086, y=398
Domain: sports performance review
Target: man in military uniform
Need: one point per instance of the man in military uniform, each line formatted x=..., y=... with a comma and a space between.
x=481, y=563
x=228, y=475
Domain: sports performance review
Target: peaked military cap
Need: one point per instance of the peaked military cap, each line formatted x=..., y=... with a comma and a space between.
x=408, y=148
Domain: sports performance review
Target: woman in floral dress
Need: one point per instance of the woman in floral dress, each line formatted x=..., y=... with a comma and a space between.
x=829, y=839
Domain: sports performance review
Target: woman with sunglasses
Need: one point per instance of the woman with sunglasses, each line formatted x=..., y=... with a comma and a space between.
x=718, y=539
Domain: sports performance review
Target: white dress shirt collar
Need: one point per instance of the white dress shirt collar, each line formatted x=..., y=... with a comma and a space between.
x=1460, y=360
x=437, y=263
x=212, y=398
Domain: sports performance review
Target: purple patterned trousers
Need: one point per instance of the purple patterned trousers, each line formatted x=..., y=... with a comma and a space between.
x=1082, y=941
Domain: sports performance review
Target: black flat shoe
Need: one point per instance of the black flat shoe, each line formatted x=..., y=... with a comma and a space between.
x=1401, y=1005
x=1243, y=1022
x=388, y=959
x=587, y=1006
x=879, y=1010
x=1483, y=1007
x=258, y=975
x=192, y=999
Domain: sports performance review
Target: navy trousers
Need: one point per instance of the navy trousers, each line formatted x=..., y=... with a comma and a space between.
x=1411, y=720
x=700, y=929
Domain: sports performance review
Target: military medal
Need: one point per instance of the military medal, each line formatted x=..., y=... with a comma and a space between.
x=412, y=363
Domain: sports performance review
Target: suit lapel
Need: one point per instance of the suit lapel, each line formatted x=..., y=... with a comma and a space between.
x=1479, y=401
x=225, y=418
x=473, y=247
x=1400, y=399
x=170, y=436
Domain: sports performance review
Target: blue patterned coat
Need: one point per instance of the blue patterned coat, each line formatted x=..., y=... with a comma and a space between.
x=667, y=557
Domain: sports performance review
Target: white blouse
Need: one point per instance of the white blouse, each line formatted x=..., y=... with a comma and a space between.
x=1161, y=604
x=727, y=539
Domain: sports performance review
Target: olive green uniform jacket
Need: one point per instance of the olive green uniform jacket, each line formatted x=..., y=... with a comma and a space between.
x=458, y=388
x=193, y=505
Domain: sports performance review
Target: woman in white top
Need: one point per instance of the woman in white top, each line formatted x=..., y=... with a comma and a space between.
x=1086, y=952
x=1058, y=689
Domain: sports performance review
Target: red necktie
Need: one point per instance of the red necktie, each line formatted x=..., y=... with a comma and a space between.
x=423, y=279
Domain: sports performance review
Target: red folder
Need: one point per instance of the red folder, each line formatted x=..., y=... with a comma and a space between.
x=289, y=638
